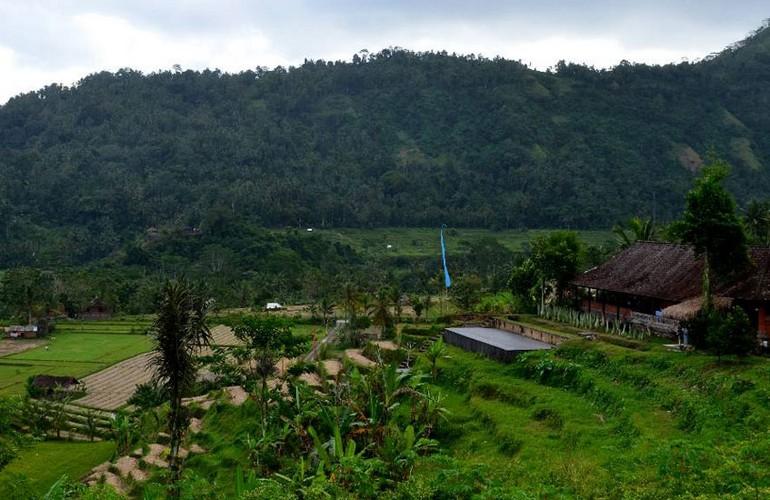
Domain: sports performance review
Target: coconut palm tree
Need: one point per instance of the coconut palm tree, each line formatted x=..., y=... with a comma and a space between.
x=326, y=306
x=179, y=331
x=637, y=229
x=381, y=311
x=350, y=300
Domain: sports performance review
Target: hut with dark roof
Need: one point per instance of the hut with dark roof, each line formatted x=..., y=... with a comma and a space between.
x=663, y=281
x=97, y=309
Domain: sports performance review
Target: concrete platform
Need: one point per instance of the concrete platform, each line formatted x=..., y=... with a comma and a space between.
x=492, y=342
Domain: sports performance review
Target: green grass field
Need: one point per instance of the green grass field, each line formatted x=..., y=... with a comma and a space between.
x=598, y=420
x=422, y=242
x=103, y=349
x=44, y=463
x=74, y=349
x=119, y=327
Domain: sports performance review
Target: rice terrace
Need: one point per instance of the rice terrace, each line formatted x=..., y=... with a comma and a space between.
x=402, y=251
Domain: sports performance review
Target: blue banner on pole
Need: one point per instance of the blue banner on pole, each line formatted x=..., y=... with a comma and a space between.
x=447, y=279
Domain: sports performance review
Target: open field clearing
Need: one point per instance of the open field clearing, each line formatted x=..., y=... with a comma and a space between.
x=423, y=242
x=44, y=463
x=109, y=389
x=86, y=348
x=64, y=353
x=222, y=335
x=14, y=346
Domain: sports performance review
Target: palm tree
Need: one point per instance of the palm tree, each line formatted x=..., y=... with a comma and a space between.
x=436, y=350
x=395, y=299
x=381, y=311
x=326, y=307
x=417, y=305
x=637, y=229
x=350, y=300
x=179, y=331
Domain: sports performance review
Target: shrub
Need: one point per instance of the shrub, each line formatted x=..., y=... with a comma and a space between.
x=507, y=444
x=722, y=332
x=149, y=395
x=493, y=390
x=549, y=417
x=301, y=367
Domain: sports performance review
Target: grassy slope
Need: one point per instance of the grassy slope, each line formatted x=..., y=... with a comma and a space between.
x=588, y=420
x=422, y=242
x=639, y=409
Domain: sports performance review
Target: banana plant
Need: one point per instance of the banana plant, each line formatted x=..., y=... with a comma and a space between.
x=400, y=449
x=330, y=453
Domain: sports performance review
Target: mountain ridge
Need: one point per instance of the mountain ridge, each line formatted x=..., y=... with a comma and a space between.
x=394, y=139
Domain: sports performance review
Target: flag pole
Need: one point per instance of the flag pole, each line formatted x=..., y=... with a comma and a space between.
x=447, y=278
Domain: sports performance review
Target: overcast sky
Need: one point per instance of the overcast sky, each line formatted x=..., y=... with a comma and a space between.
x=61, y=41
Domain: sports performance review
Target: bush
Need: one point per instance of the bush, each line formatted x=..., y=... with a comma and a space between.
x=493, y=390
x=507, y=444
x=301, y=367
x=722, y=333
x=149, y=395
x=549, y=417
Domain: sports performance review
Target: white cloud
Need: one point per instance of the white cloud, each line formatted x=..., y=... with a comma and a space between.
x=115, y=43
x=46, y=41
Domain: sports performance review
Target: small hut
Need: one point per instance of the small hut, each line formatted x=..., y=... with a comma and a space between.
x=21, y=331
x=96, y=310
x=49, y=385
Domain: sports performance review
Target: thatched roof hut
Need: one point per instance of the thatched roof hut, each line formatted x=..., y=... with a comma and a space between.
x=673, y=273
x=689, y=308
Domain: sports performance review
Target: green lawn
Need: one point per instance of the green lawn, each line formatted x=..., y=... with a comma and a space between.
x=422, y=242
x=44, y=463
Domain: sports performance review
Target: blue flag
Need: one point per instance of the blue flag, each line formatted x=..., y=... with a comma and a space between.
x=447, y=279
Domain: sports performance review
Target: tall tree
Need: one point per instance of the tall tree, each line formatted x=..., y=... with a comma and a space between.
x=466, y=292
x=710, y=223
x=556, y=258
x=26, y=292
x=178, y=332
x=350, y=300
x=265, y=340
x=381, y=315
x=757, y=221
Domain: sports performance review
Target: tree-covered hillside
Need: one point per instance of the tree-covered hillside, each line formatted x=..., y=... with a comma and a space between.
x=390, y=139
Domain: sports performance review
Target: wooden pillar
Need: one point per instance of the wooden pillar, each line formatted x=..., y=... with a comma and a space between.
x=604, y=305
x=589, y=301
x=761, y=318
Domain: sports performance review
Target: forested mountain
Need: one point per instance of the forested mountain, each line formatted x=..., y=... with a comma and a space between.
x=395, y=138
